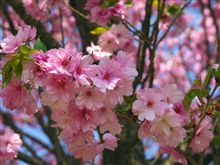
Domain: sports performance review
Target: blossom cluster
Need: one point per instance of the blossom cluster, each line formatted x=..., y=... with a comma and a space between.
x=80, y=92
x=117, y=38
x=10, y=143
x=11, y=43
x=162, y=114
x=82, y=95
x=164, y=119
x=101, y=15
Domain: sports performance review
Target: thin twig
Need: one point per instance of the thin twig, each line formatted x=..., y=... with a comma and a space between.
x=173, y=22
x=61, y=25
x=75, y=10
x=8, y=18
x=212, y=11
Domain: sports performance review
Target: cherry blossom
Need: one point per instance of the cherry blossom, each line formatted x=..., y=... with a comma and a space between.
x=10, y=144
x=16, y=96
x=149, y=104
x=139, y=70
x=203, y=136
x=118, y=37
x=91, y=98
x=11, y=43
x=108, y=74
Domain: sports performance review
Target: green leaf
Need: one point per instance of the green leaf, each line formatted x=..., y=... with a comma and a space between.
x=173, y=10
x=123, y=108
x=198, y=82
x=191, y=95
x=129, y=2
x=109, y=3
x=18, y=69
x=7, y=72
x=216, y=113
x=28, y=58
x=99, y=30
x=208, y=77
x=39, y=45
x=25, y=49
x=216, y=141
x=217, y=75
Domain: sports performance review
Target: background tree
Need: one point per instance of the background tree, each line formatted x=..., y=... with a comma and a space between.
x=94, y=81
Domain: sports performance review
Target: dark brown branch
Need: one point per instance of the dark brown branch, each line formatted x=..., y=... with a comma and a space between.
x=61, y=26
x=52, y=133
x=28, y=159
x=4, y=9
x=173, y=22
x=207, y=44
x=217, y=28
x=9, y=121
x=154, y=36
x=143, y=45
x=46, y=37
x=83, y=24
x=33, y=152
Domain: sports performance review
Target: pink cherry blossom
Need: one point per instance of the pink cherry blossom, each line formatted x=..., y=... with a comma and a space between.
x=91, y=98
x=78, y=119
x=105, y=114
x=87, y=152
x=148, y=104
x=102, y=15
x=137, y=12
x=111, y=125
x=10, y=144
x=91, y=3
x=11, y=43
x=81, y=68
x=108, y=74
x=180, y=110
x=172, y=94
x=16, y=96
x=203, y=136
x=127, y=63
x=118, y=10
x=144, y=130
x=116, y=96
x=122, y=34
x=83, y=145
x=58, y=62
x=110, y=142
x=87, y=148
x=108, y=41
x=99, y=15
x=177, y=156
x=118, y=37
x=59, y=90
x=26, y=33
x=97, y=52
x=168, y=129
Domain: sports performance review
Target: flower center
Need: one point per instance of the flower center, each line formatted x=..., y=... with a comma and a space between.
x=106, y=76
x=78, y=70
x=109, y=41
x=149, y=104
x=88, y=93
x=64, y=63
x=176, y=109
x=118, y=35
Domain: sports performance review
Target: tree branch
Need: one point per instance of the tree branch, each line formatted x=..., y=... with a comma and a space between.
x=217, y=28
x=46, y=37
x=7, y=17
x=83, y=24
